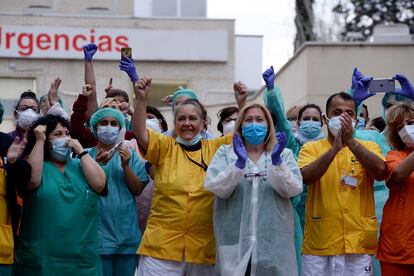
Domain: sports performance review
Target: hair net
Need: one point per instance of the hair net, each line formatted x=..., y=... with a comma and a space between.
x=184, y=92
x=106, y=112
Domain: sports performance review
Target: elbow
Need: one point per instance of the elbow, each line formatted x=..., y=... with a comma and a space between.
x=100, y=183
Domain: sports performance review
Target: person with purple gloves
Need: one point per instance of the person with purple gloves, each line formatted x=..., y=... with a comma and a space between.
x=253, y=180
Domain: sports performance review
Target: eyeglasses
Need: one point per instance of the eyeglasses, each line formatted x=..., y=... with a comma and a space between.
x=25, y=107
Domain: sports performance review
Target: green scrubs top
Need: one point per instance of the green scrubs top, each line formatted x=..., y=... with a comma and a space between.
x=58, y=234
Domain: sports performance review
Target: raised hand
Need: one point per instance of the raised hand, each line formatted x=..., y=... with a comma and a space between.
x=89, y=50
x=128, y=65
x=278, y=149
x=87, y=90
x=360, y=92
x=356, y=77
x=75, y=146
x=125, y=155
x=16, y=150
x=102, y=157
x=109, y=87
x=53, y=91
x=142, y=88
x=240, y=92
x=168, y=100
x=240, y=151
x=407, y=90
x=269, y=78
x=40, y=133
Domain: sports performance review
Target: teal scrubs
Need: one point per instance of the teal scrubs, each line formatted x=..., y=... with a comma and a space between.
x=58, y=232
x=118, y=231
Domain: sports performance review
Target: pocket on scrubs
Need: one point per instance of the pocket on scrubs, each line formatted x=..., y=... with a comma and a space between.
x=369, y=236
x=90, y=203
x=320, y=231
x=6, y=243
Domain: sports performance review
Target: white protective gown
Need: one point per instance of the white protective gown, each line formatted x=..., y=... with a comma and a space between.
x=253, y=214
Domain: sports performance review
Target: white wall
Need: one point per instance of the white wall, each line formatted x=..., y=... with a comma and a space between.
x=249, y=55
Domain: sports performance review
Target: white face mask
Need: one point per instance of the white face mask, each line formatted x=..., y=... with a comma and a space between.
x=229, y=127
x=334, y=124
x=153, y=124
x=27, y=117
x=407, y=135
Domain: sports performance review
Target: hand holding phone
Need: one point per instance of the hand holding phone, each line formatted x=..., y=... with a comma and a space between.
x=381, y=85
x=126, y=52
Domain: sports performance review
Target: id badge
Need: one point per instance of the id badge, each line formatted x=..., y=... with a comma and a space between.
x=349, y=180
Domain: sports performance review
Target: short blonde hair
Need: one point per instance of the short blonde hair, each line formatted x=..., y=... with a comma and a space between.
x=293, y=112
x=270, y=140
x=395, y=116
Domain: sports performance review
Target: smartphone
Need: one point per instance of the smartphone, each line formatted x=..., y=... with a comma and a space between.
x=126, y=52
x=381, y=85
x=115, y=148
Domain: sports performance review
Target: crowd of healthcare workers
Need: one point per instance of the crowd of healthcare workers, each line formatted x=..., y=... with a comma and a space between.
x=111, y=189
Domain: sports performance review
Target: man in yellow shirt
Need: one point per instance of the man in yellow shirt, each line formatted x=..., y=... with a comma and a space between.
x=341, y=227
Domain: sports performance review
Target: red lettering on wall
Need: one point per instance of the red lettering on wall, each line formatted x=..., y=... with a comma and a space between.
x=58, y=37
x=25, y=42
x=105, y=43
x=92, y=36
x=8, y=37
x=122, y=42
x=75, y=42
x=43, y=41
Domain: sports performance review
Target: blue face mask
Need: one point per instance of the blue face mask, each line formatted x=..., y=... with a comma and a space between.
x=60, y=151
x=108, y=134
x=310, y=129
x=254, y=133
x=361, y=123
x=191, y=142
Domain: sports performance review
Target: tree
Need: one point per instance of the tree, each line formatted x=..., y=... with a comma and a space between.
x=361, y=16
x=304, y=22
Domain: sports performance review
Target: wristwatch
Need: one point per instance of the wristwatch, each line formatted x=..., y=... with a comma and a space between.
x=80, y=155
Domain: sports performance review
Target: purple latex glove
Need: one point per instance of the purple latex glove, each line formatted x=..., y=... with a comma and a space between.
x=356, y=76
x=360, y=92
x=279, y=147
x=240, y=151
x=128, y=65
x=89, y=50
x=269, y=78
x=407, y=90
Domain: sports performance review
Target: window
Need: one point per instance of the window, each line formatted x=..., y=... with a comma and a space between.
x=11, y=88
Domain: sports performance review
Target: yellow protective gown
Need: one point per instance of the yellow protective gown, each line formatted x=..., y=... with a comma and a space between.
x=181, y=217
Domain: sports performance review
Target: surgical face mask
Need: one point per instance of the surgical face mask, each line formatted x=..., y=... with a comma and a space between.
x=361, y=123
x=60, y=150
x=310, y=129
x=27, y=117
x=153, y=124
x=334, y=124
x=191, y=142
x=407, y=135
x=228, y=127
x=108, y=134
x=254, y=133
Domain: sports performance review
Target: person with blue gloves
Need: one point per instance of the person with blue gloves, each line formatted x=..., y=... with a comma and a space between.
x=309, y=129
x=253, y=181
x=118, y=232
x=359, y=90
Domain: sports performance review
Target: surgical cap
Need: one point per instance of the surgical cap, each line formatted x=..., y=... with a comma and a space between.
x=106, y=112
x=184, y=92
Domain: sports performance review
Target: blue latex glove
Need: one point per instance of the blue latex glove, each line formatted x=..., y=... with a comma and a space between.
x=240, y=151
x=269, y=78
x=360, y=92
x=128, y=65
x=407, y=90
x=356, y=76
x=279, y=147
x=89, y=50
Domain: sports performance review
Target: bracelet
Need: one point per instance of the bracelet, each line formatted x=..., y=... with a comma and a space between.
x=83, y=153
x=355, y=145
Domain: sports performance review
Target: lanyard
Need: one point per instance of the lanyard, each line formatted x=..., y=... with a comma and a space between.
x=203, y=164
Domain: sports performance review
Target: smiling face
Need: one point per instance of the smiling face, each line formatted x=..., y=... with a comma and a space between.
x=188, y=122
